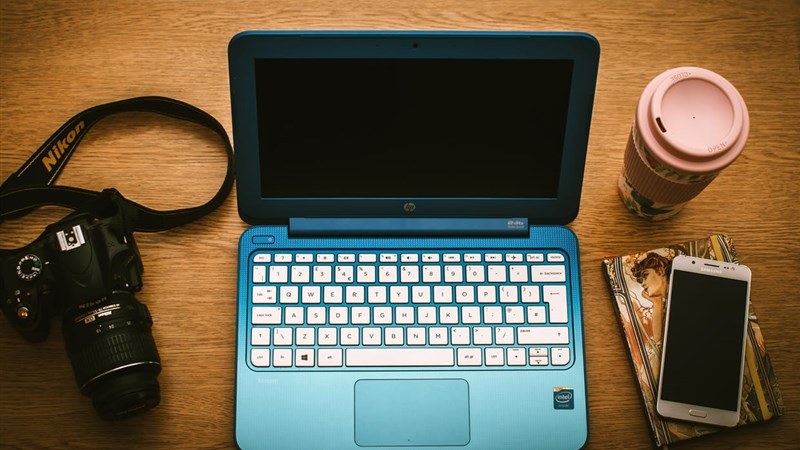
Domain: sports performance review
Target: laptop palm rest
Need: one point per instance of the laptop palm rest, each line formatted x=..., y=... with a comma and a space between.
x=411, y=412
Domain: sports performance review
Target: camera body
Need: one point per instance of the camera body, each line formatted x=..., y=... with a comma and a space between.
x=86, y=268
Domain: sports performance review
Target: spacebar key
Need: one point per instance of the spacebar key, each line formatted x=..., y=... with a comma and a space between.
x=399, y=357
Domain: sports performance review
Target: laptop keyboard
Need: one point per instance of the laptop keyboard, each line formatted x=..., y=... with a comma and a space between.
x=409, y=309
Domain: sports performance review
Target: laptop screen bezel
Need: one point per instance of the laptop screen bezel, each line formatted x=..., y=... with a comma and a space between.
x=247, y=47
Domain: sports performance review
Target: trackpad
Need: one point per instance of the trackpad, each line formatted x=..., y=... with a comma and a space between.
x=412, y=412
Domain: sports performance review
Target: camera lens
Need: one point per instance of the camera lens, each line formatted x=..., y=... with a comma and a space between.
x=113, y=354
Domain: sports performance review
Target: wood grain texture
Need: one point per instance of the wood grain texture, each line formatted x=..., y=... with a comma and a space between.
x=57, y=58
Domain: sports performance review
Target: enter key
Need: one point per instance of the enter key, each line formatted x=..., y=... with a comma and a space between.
x=556, y=298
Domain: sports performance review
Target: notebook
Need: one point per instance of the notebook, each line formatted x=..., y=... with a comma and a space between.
x=408, y=280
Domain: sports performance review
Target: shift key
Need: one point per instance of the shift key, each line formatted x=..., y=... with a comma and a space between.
x=542, y=335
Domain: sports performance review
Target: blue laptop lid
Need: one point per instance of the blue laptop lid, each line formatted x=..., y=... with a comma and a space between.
x=411, y=124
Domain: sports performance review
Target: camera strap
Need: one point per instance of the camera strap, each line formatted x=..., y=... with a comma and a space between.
x=31, y=186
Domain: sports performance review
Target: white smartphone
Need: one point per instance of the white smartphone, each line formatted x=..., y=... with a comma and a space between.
x=704, y=341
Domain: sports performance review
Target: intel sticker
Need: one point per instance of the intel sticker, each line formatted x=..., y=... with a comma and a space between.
x=563, y=398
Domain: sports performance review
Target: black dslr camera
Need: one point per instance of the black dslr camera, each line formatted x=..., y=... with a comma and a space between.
x=86, y=268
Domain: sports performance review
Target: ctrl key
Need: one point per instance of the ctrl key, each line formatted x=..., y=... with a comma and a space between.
x=259, y=357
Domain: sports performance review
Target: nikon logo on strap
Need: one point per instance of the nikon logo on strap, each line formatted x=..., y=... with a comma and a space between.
x=61, y=146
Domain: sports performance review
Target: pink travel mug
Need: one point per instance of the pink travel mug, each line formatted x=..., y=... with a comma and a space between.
x=690, y=124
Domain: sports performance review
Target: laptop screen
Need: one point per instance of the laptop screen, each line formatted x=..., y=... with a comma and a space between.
x=404, y=127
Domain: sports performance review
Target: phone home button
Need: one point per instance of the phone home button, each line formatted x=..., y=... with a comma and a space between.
x=697, y=413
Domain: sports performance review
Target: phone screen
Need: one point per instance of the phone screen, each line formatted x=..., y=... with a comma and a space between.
x=703, y=348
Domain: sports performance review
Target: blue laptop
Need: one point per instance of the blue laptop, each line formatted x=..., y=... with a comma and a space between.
x=408, y=281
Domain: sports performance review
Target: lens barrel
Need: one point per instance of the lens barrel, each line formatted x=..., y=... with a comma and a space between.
x=113, y=354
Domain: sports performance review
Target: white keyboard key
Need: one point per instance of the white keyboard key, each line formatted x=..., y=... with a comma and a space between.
x=338, y=315
x=394, y=336
x=494, y=257
x=349, y=336
x=471, y=314
x=311, y=294
x=426, y=315
x=293, y=315
x=453, y=274
x=451, y=257
x=465, y=294
x=289, y=294
x=372, y=336
x=504, y=335
x=398, y=294
x=360, y=315
x=330, y=357
x=260, y=336
x=282, y=357
x=495, y=356
x=282, y=336
x=469, y=357
x=514, y=314
x=530, y=294
x=354, y=294
x=459, y=336
x=534, y=257
x=327, y=336
x=305, y=336
x=322, y=274
x=497, y=274
x=448, y=315
x=365, y=274
x=492, y=314
x=443, y=294
x=482, y=336
x=382, y=315
x=514, y=257
x=537, y=351
x=278, y=274
x=316, y=315
x=399, y=357
x=262, y=258
x=536, y=314
x=388, y=274
x=376, y=294
x=421, y=294
x=344, y=274
x=333, y=294
x=367, y=258
x=409, y=274
x=508, y=294
x=472, y=257
x=264, y=294
x=430, y=257
x=416, y=336
x=487, y=294
x=556, y=297
x=304, y=357
x=346, y=258
x=404, y=315
x=437, y=335
x=431, y=274
x=266, y=315
x=259, y=357
x=283, y=258
x=388, y=257
x=542, y=335
x=555, y=257
x=476, y=274
x=409, y=258
x=325, y=258
x=548, y=274
x=518, y=274
x=259, y=274
x=304, y=258
x=538, y=360
x=516, y=356
x=559, y=356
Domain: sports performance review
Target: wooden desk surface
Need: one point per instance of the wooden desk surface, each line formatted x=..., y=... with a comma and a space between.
x=57, y=59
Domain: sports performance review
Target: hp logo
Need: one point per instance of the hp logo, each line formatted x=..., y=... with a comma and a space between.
x=409, y=207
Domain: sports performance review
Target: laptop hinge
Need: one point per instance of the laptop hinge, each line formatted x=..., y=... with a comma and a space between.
x=406, y=226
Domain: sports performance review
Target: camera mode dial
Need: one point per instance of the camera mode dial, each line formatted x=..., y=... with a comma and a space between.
x=29, y=267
